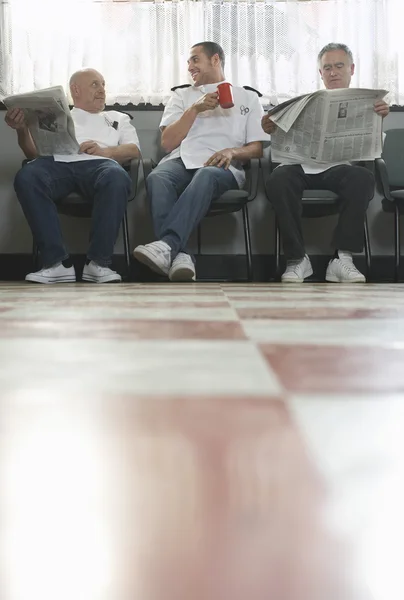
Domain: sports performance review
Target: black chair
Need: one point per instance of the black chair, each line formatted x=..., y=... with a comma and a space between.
x=390, y=184
x=316, y=204
x=77, y=205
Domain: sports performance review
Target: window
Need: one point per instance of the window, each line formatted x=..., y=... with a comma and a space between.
x=141, y=47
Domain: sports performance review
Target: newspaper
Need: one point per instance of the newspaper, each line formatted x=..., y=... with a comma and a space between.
x=328, y=126
x=49, y=120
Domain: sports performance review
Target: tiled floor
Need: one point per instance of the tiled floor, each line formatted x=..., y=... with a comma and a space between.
x=201, y=442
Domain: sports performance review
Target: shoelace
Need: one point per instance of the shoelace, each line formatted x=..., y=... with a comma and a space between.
x=101, y=269
x=348, y=266
x=294, y=266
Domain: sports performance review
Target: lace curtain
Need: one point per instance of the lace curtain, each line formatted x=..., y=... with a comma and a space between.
x=142, y=47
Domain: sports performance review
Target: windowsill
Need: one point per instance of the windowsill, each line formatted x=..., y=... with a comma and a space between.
x=125, y=107
x=160, y=107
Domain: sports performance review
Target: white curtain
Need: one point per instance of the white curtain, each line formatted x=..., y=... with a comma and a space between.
x=142, y=47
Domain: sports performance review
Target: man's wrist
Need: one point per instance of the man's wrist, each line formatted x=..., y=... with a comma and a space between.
x=23, y=131
x=193, y=110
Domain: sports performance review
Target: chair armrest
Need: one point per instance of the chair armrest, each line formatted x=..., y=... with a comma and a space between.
x=252, y=169
x=148, y=165
x=382, y=179
x=132, y=168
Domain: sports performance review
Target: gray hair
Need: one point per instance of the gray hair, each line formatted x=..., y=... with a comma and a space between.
x=335, y=46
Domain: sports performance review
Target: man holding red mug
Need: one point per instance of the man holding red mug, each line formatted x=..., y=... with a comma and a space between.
x=208, y=130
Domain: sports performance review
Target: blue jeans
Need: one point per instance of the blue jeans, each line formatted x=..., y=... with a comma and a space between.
x=39, y=186
x=181, y=197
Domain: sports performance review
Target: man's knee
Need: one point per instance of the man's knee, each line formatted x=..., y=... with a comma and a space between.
x=284, y=186
x=115, y=175
x=362, y=181
x=29, y=175
x=156, y=175
x=364, y=175
x=207, y=175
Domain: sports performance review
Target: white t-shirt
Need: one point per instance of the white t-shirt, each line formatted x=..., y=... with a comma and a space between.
x=215, y=130
x=107, y=128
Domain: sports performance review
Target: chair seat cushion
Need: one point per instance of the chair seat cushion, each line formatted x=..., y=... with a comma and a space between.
x=230, y=201
x=389, y=207
x=398, y=194
x=232, y=196
x=319, y=203
x=75, y=205
x=320, y=197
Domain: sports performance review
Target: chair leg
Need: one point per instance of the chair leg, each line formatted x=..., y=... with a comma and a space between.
x=277, y=248
x=368, y=253
x=397, y=243
x=199, y=236
x=247, y=238
x=126, y=247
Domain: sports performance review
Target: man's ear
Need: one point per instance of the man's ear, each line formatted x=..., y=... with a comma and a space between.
x=352, y=69
x=74, y=90
x=321, y=75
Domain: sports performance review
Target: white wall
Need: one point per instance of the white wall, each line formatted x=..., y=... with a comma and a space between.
x=221, y=235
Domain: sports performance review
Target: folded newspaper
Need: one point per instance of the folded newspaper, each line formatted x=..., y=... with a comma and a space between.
x=328, y=126
x=48, y=118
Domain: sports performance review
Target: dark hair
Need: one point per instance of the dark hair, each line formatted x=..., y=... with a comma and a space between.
x=335, y=46
x=210, y=49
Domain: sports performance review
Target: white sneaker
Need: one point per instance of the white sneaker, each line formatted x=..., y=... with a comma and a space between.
x=343, y=270
x=156, y=256
x=55, y=274
x=182, y=268
x=98, y=274
x=297, y=270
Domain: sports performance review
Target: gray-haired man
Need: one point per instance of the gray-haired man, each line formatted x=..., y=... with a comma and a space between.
x=353, y=184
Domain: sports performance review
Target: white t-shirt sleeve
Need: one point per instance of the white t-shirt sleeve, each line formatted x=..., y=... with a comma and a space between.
x=127, y=132
x=254, y=131
x=173, y=111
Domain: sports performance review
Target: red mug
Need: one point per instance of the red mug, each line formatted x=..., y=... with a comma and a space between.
x=225, y=95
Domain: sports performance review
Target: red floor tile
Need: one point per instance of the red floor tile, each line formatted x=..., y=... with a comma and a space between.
x=328, y=369
x=123, y=329
x=319, y=312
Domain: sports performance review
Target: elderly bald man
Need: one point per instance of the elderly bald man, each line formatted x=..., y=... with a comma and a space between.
x=107, y=140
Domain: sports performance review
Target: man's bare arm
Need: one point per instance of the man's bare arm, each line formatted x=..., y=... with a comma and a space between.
x=121, y=154
x=16, y=120
x=175, y=133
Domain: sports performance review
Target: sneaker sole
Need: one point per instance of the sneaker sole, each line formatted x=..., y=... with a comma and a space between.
x=147, y=258
x=51, y=281
x=331, y=279
x=182, y=274
x=92, y=279
x=300, y=280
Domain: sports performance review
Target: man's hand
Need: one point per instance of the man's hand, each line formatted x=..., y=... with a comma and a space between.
x=15, y=118
x=91, y=147
x=207, y=102
x=381, y=108
x=221, y=159
x=267, y=125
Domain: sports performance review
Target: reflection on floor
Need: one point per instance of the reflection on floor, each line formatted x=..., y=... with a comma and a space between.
x=201, y=442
